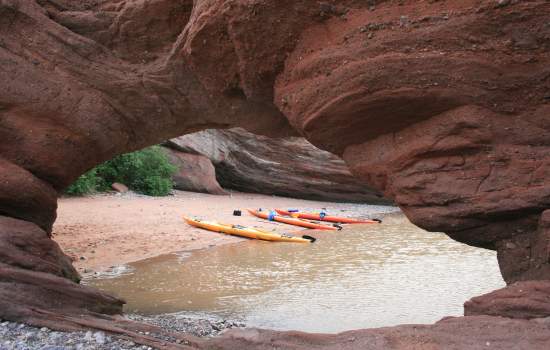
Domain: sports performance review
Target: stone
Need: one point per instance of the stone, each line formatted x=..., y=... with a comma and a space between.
x=525, y=299
x=99, y=338
x=88, y=80
x=121, y=188
x=452, y=164
x=88, y=336
x=282, y=166
x=195, y=173
x=502, y=3
x=471, y=332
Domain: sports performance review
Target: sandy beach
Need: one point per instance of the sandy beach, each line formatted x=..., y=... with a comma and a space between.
x=105, y=230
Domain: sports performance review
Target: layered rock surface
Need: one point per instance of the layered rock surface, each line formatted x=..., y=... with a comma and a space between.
x=522, y=300
x=442, y=105
x=446, y=112
x=289, y=167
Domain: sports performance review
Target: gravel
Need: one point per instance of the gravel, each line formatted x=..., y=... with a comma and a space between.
x=200, y=327
x=18, y=336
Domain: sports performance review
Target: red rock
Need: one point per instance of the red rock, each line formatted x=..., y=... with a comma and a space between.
x=457, y=333
x=526, y=299
x=447, y=115
x=289, y=167
x=431, y=121
x=195, y=173
x=526, y=255
x=119, y=187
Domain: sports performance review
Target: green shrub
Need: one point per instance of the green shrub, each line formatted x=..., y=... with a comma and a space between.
x=85, y=184
x=147, y=171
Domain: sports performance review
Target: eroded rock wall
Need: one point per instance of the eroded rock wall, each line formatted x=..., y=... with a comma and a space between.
x=444, y=108
x=442, y=105
x=289, y=167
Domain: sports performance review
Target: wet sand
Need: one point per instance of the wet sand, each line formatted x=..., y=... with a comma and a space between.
x=106, y=230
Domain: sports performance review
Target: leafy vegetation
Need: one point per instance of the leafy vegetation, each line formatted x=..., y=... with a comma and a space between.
x=86, y=183
x=147, y=171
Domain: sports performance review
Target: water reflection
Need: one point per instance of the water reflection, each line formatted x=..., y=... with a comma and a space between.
x=363, y=276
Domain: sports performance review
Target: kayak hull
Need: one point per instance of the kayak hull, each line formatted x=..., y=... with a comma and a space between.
x=241, y=231
x=291, y=221
x=329, y=218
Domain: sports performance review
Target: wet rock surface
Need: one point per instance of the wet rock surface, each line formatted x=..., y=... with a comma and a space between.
x=290, y=167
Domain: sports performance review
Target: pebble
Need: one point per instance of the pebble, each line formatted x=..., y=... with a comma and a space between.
x=99, y=337
x=502, y=3
x=88, y=336
x=18, y=336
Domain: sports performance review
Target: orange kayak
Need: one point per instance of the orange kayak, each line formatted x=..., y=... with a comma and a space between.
x=324, y=217
x=291, y=221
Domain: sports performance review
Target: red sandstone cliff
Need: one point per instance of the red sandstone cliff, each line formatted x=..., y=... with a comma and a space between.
x=290, y=167
x=442, y=105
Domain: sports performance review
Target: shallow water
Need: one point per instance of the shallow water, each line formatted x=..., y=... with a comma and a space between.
x=364, y=276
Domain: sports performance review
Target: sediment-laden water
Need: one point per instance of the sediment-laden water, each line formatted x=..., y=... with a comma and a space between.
x=364, y=276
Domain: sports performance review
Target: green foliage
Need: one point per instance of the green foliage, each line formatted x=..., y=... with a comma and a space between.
x=85, y=184
x=147, y=171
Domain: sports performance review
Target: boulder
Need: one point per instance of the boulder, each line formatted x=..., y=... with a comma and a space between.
x=290, y=167
x=195, y=173
x=525, y=299
x=121, y=188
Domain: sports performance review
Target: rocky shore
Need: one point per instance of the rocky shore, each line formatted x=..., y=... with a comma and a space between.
x=19, y=336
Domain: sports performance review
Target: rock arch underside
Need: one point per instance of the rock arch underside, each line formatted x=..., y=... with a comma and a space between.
x=444, y=106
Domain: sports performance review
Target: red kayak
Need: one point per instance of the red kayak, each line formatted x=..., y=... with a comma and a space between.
x=324, y=217
x=291, y=221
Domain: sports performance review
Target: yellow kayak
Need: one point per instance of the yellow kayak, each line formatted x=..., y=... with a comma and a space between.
x=238, y=230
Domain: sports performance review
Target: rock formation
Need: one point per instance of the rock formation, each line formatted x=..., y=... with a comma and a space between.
x=289, y=167
x=522, y=300
x=195, y=173
x=442, y=105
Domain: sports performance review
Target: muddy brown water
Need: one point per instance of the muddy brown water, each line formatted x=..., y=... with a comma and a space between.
x=362, y=277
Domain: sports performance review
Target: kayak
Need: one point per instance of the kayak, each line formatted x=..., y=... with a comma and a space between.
x=291, y=221
x=238, y=230
x=324, y=217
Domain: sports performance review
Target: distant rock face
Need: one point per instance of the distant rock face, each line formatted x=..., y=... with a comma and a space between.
x=282, y=166
x=195, y=173
x=441, y=105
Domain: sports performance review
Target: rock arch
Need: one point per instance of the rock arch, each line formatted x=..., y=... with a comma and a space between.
x=441, y=105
